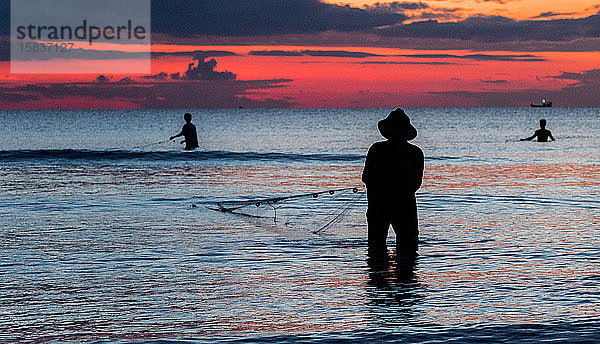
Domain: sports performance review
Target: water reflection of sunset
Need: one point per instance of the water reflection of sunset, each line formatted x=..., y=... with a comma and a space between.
x=453, y=177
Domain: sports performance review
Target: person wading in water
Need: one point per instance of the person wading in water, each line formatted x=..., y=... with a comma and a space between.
x=188, y=132
x=542, y=133
x=393, y=173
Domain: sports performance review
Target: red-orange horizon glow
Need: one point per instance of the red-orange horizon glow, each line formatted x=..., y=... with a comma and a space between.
x=414, y=78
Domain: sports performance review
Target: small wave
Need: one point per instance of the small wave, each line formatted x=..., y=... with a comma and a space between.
x=126, y=155
x=445, y=158
x=467, y=159
x=92, y=156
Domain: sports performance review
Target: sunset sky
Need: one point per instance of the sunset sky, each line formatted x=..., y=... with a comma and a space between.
x=355, y=53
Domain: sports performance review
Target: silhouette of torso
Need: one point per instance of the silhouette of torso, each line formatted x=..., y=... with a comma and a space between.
x=393, y=168
x=191, y=138
x=542, y=134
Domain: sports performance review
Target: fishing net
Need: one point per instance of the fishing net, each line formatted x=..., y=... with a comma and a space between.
x=317, y=211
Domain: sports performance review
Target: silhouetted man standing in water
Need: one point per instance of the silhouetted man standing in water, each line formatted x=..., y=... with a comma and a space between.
x=542, y=133
x=393, y=173
x=188, y=132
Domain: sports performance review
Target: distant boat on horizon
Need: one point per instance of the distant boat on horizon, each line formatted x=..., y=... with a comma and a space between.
x=544, y=103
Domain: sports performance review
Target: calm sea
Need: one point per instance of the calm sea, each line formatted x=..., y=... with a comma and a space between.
x=106, y=234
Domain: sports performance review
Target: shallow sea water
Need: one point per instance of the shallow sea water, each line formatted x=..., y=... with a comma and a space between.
x=106, y=236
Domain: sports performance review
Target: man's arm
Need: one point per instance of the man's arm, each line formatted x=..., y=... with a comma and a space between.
x=529, y=138
x=368, y=164
x=416, y=178
x=551, y=137
x=176, y=136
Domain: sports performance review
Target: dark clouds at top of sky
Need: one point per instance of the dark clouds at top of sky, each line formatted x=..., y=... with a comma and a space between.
x=275, y=17
x=186, y=18
x=500, y=29
x=263, y=17
x=4, y=17
x=397, y=6
x=240, y=18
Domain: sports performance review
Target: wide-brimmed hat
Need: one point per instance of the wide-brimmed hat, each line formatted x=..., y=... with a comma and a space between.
x=397, y=126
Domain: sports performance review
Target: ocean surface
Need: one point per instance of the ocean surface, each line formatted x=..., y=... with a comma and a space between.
x=107, y=232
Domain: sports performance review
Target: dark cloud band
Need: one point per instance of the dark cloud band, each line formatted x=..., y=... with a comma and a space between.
x=321, y=53
x=480, y=57
x=500, y=29
x=186, y=18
